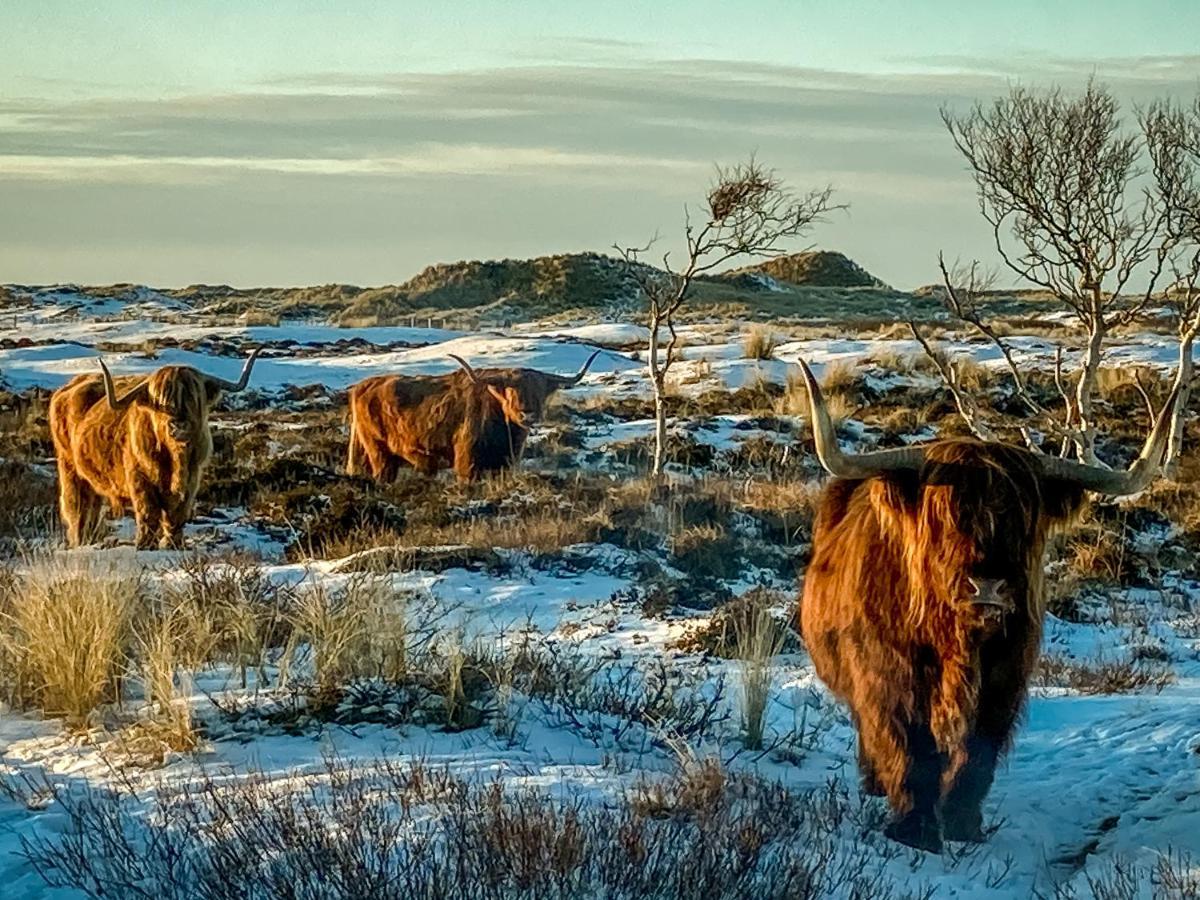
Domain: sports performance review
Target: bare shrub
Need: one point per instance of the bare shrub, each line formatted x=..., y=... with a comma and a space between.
x=631, y=704
x=1172, y=876
x=1103, y=676
x=405, y=830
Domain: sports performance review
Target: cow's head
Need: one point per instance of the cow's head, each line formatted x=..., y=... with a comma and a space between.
x=508, y=396
x=973, y=516
x=537, y=387
x=511, y=405
x=180, y=395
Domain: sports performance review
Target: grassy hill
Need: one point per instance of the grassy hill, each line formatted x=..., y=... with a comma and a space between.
x=817, y=284
x=813, y=268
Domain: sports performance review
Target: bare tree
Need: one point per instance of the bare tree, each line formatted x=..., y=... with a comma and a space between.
x=1173, y=143
x=1061, y=181
x=748, y=212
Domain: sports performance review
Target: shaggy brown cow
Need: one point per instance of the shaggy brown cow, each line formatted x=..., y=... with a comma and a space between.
x=140, y=441
x=431, y=423
x=415, y=420
x=923, y=606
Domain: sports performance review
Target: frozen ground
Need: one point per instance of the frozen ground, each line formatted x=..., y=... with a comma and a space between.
x=1090, y=780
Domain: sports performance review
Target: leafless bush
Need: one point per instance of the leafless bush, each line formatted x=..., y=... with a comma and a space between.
x=1173, y=876
x=1103, y=676
x=397, y=830
x=629, y=704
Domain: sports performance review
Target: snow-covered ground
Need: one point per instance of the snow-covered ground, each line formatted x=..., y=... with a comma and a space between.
x=47, y=354
x=1090, y=779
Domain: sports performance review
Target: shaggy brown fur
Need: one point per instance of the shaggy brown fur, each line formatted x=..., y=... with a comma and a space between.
x=380, y=406
x=934, y=681
x=431, y=423
x=148, y=455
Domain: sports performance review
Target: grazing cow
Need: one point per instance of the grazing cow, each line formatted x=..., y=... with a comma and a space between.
x=428, y=423
x=139, y=441
x=422, y=421
x=923, y=605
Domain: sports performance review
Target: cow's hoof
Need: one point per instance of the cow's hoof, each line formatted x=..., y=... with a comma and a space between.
x=964, y=827
x=918, y=830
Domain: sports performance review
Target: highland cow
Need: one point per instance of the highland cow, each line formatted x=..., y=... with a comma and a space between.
x=922, y=606
x=136, y=441
x=433, y=421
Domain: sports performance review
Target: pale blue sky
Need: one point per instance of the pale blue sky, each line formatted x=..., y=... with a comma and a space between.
x=255, y=142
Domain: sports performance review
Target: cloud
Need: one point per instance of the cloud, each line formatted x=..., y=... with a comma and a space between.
x=358, y=178
x=428, y=160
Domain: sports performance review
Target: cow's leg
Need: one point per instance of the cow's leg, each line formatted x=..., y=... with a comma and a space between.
x=1004, y=678
x=147, y=513
x=178, y=513
x=78, y=505
x=465, y=468
x=920, y=826
x=869, y=782
x=909, y=767
x=421, y=460
x=962, y=810
x=389, y=468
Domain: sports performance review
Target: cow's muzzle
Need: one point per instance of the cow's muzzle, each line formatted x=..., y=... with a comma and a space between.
x=991, y=595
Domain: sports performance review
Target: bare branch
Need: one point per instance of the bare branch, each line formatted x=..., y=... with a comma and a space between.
x=748, y=212
x=968, y=409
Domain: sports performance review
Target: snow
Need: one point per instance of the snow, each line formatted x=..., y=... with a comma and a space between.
x=52, y=365
x=1079, y=764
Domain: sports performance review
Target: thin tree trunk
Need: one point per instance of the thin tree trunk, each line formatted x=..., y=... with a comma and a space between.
x=1184, y=380
x=658, y=380
x=660, y=430
x=1085, y=445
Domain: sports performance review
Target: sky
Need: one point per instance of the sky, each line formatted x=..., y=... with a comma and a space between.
x=249, y=142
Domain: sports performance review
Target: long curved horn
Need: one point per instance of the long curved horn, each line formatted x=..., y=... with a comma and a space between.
x=466, y=367
x=1117, y=483
x=232, y=387
x=850, y=465
x=110, y=390
x=570, y=381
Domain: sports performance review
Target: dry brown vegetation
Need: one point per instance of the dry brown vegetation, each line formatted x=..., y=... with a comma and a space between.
x=407, y=829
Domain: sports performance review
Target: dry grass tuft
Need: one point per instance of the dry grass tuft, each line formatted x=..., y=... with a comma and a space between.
x=359, y=630
x=759, y=343
x=758, y=639
x=65, y=632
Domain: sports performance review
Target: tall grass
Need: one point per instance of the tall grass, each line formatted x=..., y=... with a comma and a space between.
x=759, y=343
x=160, y=640
x=837, y=387
x=65, y=634
x=359, y=630
x=758, y=638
